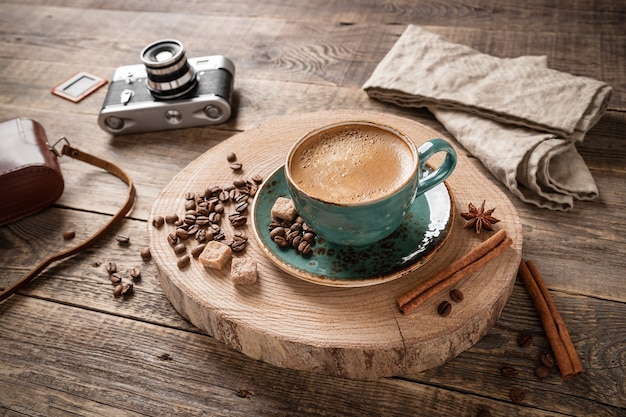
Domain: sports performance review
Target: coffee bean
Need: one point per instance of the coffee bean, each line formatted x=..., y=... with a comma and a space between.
x=547, y=359
x=236, y=166
x=508, y=372
x=233, y=194
x=183, y=262
x=69, y=234
x=241, y=207
x=158, y=222
x=277, y=231
x=456, y=295
x=239, y=183
x=291, y=235
x=281, y=241
x=238, y=245
x=202, y=211
x=237, y=220
x=193, y=229
x=145, y=253
x=202, y=206
x=115, y=278
x=224, y=196
x=444, y=308
x=202, y=234
x=180, y=248
x=203, y=220
x=542, y=372
x=257, y=179
x=231, y=157
x=111, y=267
x=190, y=205
x=122, y=239
x=127, y=289
x=304, y=247
x=241, y=197
x=171, y=219
x=525, y=340
x=172, y=239
x=182, y=234
x=135, y=273
x=517, y=395
x=211, y=192
x=117, y=291
x=254, y=188
x=197, y=250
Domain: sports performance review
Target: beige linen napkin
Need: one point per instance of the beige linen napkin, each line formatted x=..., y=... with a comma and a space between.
x=518, y=117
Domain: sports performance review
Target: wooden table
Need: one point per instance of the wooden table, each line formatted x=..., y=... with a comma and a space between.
x=68, y=347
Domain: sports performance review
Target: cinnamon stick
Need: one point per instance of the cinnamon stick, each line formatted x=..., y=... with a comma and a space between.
x=455, y=272
x=552, y=322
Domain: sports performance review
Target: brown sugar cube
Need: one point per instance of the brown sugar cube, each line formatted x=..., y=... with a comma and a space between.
x=215, y=255
x=284, y=209
x=243, y=271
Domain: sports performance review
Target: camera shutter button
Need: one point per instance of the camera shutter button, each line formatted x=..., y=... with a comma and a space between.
x=173, y=117
x=213, y=112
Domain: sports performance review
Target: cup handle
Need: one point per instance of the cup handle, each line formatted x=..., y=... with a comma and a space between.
x=435, y=177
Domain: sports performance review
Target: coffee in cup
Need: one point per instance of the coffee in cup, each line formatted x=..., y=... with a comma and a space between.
x=354, y=182
x=352, y=164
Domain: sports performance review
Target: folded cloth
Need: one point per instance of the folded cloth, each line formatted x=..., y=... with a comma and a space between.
x=518, y=117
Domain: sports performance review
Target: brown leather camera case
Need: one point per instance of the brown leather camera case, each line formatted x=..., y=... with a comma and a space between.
x=30, y=176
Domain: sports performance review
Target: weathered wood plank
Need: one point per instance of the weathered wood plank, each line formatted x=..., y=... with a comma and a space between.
x=317, y=51
x=559, y=16
x=98, y=361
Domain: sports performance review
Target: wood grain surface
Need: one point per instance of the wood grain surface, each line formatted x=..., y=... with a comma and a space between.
x=68, y=347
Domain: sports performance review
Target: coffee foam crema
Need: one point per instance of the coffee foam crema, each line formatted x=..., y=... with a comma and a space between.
x=352, y=164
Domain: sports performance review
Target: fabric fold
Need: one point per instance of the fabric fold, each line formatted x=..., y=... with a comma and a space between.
x=518, y=117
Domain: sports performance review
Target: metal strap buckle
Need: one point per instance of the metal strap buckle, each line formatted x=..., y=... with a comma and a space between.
x=54, y=149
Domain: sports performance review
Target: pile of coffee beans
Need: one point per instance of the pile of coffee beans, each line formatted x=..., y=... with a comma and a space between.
x=296, y=234
x=204, y=213
x=121, y=289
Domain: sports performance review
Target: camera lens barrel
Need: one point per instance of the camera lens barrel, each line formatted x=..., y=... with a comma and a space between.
x=169, y=74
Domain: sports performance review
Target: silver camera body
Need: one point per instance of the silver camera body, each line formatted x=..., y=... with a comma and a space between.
x=168, y=91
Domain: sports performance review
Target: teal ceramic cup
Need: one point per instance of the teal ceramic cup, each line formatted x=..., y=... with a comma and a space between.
x=354, y=182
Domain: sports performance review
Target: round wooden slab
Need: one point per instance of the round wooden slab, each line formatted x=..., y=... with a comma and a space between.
x=349, y=332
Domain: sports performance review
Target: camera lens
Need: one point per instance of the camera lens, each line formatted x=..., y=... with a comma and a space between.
x=169, y=74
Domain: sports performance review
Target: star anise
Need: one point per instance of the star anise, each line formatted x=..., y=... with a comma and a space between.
x=479, y=218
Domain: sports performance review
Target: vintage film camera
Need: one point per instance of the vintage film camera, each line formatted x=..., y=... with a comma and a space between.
x=168, y=91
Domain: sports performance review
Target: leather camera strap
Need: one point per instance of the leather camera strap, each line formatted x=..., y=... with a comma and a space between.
x=116, y=219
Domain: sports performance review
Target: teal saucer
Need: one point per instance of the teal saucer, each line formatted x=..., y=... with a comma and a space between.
x=417, y=239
